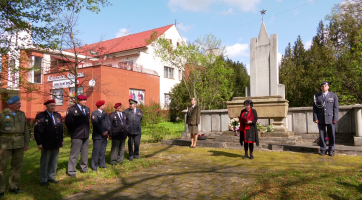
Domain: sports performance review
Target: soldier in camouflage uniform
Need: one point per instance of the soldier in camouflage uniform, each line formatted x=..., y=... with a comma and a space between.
x=14, y=140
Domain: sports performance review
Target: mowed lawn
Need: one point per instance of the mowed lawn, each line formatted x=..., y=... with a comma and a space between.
x=276, y=175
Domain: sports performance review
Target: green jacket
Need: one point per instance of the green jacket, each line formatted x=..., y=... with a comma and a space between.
x=14, y=132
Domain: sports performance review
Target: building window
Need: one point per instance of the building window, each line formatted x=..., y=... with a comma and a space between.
x=168, y=72
x=37, y=69
x=167, y=100
x=72, y=94
x=179, y=75
x=138, y=95
x=58, y=96
x=12, y=73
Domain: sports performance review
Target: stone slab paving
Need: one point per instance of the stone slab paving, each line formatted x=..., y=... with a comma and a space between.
x=177, y=177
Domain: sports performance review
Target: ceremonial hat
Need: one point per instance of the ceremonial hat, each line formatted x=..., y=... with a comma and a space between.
x=99, y=103
x=13, y=99
x=133, y=101
x=49, y=101
x=325, y=83
x=82, y=97
x=117, y=105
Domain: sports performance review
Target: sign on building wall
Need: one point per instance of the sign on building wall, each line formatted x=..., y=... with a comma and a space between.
x=58, y=96
x=138, y=95
x=64, y=77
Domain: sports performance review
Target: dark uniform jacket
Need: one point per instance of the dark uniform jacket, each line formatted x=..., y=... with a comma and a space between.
x=101, y=124
x=133, y=121
x=252, y=134
x=46, y=133
x=77, y=122
x=329, y=108
x=118, y=127
x=193, y=115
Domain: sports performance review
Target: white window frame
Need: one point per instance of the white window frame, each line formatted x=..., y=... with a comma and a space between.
x=167, y=71
x=31, y=73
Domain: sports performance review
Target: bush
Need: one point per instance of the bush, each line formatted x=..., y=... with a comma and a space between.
x=31, y=123
x=153, y=114
x=157, y=133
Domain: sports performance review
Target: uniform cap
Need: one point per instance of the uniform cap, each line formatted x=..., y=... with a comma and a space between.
x=49, y=101
x=325, y=83
x=117, y=105
x=100, y=103
x=133, y=101
x=13, y=99
x=82, y=97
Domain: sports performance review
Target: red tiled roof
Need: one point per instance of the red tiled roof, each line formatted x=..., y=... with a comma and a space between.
x=119, y=44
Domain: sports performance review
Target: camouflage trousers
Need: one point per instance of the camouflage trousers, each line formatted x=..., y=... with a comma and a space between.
x=17, y=156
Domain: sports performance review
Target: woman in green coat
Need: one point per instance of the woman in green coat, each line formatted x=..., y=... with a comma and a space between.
x=193, y=120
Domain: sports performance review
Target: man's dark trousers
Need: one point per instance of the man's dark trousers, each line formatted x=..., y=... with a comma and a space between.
x=98, y=153
x=331, y=132
x=136, y=139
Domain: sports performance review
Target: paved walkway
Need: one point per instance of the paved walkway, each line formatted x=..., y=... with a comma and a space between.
x=179, y=177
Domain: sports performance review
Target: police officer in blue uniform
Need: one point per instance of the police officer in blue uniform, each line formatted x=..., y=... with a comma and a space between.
x=325, y=114
x=133, y=123
x=101, y=128
x=77, y=122
x=118, y=134
x=48, y=133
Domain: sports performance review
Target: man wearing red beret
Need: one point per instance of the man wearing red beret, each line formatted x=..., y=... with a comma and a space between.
x=118, y=134
x=101, y=128
x=77, y=122
x=48, y=133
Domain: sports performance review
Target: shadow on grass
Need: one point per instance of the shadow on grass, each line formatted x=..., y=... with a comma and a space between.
x=223, y=153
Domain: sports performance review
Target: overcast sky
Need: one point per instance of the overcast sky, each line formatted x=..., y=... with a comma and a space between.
x=235, y=22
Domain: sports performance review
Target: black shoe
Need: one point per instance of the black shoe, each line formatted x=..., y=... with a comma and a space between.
x=45, y=184
x=137, y=157
x=121, y=163
x=105, y=167
x=322, y=153
x=83, y=171
x=246, y=156
x=130, y=158
x=72, y=176
x=331, y=153
x=2, y=194
x=53, y=181
x=16, y=191
x=251, y=157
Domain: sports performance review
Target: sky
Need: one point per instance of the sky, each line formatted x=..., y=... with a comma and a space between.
x=234, y=22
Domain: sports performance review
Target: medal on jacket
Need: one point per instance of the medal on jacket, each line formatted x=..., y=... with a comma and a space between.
x=7, y=126
x=318, y=103
x=75, y=111
x=46, y=120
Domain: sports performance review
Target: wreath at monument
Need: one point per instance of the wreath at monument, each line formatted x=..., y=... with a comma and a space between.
x=234, y=125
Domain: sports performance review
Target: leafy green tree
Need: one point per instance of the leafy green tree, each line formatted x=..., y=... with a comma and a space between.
x=241, y=77
x=206, y=76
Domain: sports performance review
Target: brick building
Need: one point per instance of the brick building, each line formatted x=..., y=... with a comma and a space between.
x=113, y=70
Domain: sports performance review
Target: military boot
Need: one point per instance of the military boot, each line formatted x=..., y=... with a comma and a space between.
x=246, y=155
x=322, y=153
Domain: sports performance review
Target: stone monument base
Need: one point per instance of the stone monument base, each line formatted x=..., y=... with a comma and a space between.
x=228, y=133
x=277, y=134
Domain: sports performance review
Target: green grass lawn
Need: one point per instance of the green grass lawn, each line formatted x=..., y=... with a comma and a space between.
x=277, y=175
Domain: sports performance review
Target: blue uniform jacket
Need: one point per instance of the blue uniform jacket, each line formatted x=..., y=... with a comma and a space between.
x=329, y=112
x=101, y=124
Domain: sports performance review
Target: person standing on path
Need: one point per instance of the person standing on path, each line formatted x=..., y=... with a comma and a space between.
x=77, y=122
x=101, y=128
x=133, y=123
x=325, y=114
x=248, y=130
x=118, y=134
x=14, y=140
x=48, y=133
x=193, y=120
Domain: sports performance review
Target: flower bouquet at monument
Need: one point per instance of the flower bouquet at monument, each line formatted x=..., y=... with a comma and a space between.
x=202, y=136
x=234, y=125
x=270, y=128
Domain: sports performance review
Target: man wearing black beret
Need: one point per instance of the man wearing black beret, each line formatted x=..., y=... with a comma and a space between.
x=325, y=114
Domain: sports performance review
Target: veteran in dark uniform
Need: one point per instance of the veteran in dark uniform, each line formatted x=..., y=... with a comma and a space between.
x=325, y=114
x=77, y=121
x=48, y=133
x=133, y=123
x=193, y=120
x=14, y=140
x=118, y=134
x=101, y=128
